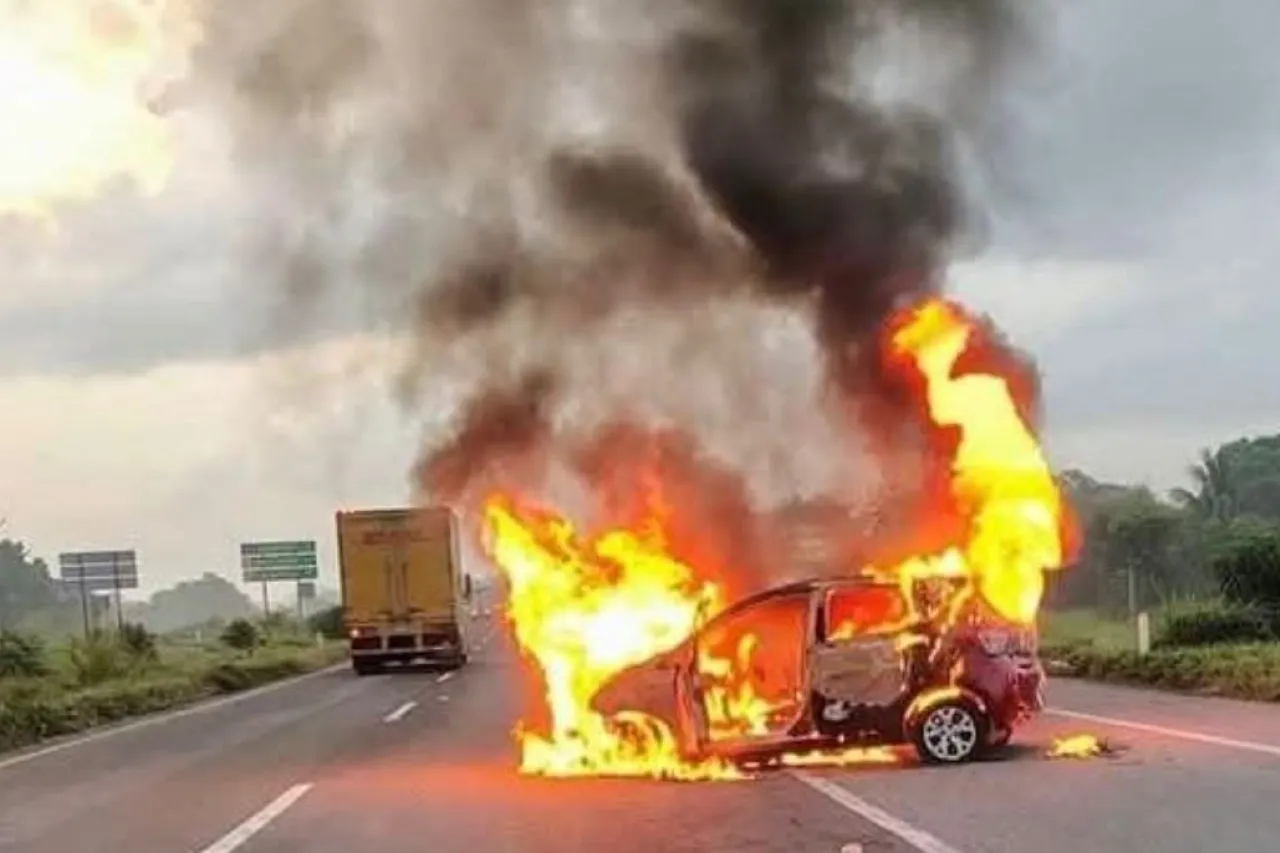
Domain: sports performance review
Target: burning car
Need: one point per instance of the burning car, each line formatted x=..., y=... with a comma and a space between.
x=643, y=671
x=831, y=664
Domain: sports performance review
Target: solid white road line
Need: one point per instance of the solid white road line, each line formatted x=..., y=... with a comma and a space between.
x=917, y=838
x=445, y=677
x=400, y=713
x=1213, y=740
x=145, y=722
x=236, y=838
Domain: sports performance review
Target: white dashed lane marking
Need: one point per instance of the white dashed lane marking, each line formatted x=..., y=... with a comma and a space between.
x=400, y=713
x=236, y=838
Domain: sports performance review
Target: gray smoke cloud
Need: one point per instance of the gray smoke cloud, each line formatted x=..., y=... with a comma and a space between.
x=594, y=212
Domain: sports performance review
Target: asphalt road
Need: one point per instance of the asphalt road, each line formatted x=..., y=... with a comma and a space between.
x=332, y=763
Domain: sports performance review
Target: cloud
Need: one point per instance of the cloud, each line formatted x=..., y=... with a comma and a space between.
x=184, y=461
x=1140, y=113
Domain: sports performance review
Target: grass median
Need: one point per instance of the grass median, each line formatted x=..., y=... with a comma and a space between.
x=83, y=686
x=1083, y=645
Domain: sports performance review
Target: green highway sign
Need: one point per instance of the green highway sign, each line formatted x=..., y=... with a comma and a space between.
x=279, y=561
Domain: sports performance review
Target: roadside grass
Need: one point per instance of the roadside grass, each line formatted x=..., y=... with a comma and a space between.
x=1238, y=671
x=1083, y=644
x=92, y=684
x=1085, y=627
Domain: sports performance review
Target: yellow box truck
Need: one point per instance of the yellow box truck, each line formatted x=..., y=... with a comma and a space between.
x=405, y=595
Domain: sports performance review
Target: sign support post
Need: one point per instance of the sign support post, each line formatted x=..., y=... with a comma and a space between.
x=84, y=605
x=108, y=572
x=115, y=580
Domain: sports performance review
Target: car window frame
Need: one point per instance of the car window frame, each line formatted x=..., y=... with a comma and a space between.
x=822, y=626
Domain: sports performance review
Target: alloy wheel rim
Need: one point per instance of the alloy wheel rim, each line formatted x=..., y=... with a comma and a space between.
x=950, y=733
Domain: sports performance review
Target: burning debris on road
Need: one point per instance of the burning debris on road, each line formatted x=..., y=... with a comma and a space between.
x=1080, y=746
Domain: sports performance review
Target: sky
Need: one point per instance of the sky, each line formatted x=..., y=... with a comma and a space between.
x=150, y=401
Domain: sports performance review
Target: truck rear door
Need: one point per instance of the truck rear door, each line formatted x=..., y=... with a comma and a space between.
x=368, y=592
x=427, y=562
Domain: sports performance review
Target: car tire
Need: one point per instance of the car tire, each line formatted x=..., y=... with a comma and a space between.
x=952, y=731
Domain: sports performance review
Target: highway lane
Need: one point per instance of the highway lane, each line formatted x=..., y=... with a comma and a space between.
x=404, y=761
x=172, y=783
x=1206, y=778
x=416, y=761
x=447, y=784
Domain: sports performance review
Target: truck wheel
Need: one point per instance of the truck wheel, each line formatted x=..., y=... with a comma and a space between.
x=364, y=666
x=952, y=731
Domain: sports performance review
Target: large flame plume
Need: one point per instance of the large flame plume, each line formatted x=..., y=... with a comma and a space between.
x=80, y=85
x=586, y=607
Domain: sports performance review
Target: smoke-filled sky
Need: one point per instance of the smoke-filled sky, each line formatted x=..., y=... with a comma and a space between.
x=173, y=382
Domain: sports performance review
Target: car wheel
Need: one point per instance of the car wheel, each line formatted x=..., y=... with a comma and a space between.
x=951, y=732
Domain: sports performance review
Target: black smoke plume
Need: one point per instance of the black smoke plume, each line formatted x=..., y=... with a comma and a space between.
x=796, y=153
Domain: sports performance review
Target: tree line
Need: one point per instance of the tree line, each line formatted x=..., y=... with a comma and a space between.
x=33, y=600
x=1219, y=536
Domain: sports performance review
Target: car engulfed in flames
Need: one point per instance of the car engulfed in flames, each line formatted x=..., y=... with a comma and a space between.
x=836, y=669
x=645, y=668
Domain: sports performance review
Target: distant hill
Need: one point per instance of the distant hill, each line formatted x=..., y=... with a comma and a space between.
x=211, y=598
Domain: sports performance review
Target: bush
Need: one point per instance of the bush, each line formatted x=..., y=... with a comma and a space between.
x=32, y=710
x=1247, y=565
x=328, y=623
x=21, y=656
x=227, y=678
x=1213, y=622
x=1247, y=671
x=241, y=635
x=138, y=641
x=280, y=622
x=246, y=674
x=29, y=716
x=96, y=660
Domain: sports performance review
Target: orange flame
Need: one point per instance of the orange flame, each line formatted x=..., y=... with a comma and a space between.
x=1000, y=480
x=1077, y=746
x=74, y=80
x=585, y=609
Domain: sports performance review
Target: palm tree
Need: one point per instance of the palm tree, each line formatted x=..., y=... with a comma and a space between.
x=1214, y=495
